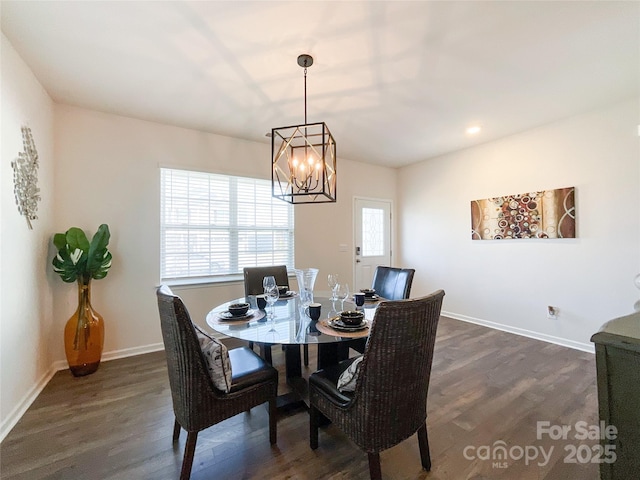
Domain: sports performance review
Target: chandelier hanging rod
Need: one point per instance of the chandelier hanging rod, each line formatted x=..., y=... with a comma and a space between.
x=305, y=61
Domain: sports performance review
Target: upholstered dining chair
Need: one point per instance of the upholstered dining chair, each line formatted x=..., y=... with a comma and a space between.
x=253, y=278
x=389, y=397
x=393, y=283
x=197, y=402
x=253, y=286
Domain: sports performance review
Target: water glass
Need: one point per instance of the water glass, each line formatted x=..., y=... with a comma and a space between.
x=272, y=295
x=343, y=292
x=333, y=281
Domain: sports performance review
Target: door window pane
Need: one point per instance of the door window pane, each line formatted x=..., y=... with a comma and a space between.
x=372, y=232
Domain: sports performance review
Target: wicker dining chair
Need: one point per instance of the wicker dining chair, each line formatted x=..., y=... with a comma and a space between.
x=197, y=403
x=253, y=286
x=389, y=402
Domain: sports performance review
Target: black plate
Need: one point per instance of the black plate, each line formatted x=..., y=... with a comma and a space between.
x=339, y=325
x=227, y=315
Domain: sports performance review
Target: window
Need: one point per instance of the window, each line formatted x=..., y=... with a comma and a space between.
x=215, y=225
x=372, y=232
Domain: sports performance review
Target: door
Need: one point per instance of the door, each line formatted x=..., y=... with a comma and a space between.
x=372, y=239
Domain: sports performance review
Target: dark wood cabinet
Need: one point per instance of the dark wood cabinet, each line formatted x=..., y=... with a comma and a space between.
x=618, y=365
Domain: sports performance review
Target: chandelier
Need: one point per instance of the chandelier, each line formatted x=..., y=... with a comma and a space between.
x=303, y=158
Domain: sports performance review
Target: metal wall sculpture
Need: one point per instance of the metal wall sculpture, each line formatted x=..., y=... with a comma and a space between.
x=25, y=178
x=542, y=214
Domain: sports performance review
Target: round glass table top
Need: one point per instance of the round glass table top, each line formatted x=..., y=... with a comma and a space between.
x=291, y=324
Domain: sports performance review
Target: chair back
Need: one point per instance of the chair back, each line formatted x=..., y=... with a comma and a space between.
x=191, y=386
x=391, y=390
x=253, y=278
x=393, y=283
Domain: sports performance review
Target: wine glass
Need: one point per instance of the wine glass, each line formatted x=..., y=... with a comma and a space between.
x=343, y=292
x=333, y=281
x=272, y=295
x=268, y=282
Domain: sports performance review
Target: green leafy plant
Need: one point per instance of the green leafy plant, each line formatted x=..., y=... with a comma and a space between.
x=81, y=260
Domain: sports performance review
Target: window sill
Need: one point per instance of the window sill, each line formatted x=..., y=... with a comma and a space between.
x=203, y=281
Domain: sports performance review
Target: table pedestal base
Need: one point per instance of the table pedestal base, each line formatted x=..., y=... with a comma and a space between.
x=328, y=354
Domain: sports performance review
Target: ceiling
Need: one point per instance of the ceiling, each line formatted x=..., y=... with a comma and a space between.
x=396, y=82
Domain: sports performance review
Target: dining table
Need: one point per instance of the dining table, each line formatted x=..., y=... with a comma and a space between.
x=292, y=327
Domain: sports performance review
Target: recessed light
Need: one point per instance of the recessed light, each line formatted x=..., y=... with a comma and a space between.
x=473, y=130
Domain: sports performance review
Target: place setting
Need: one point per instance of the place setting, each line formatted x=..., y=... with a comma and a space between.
x=349, y=323
x=285, y=293
x=238, y=313
x=369, y=295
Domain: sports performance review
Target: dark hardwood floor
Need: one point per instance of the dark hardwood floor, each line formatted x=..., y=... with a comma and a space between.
x=488, y=388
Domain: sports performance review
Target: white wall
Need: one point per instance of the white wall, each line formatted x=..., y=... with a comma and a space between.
x=26, y=328
x=321, y=229
x=510, y=283
x=108, y=172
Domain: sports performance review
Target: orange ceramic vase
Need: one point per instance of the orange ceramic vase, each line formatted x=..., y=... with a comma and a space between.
x=84, y=334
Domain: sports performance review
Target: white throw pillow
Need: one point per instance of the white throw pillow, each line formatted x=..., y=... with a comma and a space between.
x=216, y=356
x=348, y=378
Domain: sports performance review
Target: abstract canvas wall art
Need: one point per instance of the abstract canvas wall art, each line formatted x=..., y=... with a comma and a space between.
x=543, y=214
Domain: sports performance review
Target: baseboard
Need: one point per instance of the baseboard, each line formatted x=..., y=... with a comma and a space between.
x=585, y=347
x=20, y=409
x=130, y=352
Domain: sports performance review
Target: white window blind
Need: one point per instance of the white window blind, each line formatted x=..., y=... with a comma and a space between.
x=215, y=225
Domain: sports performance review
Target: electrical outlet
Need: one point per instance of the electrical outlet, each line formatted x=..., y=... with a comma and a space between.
x=552, y=312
